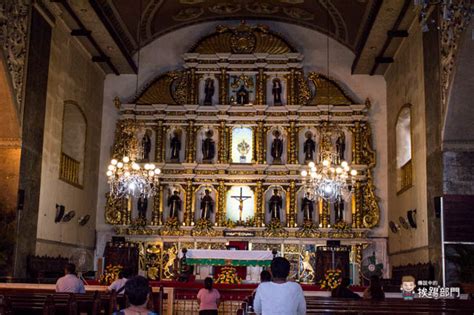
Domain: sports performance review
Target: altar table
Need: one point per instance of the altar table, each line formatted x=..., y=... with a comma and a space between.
x=246, y=258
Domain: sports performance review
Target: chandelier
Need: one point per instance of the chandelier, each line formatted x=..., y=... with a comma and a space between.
x=329, y=180
x=127, y=178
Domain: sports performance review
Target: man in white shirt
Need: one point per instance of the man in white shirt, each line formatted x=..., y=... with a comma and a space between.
x=280, y=296
x=119, y=284
x=70, y=283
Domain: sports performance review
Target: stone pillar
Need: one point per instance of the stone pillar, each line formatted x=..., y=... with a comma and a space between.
x=261, y=87
x=259, y=204
x=223, y=83
x=188, y=213
x=160, y=142
x=292, y=200
x=156, y=215
x=221, y=206
x=190, y=142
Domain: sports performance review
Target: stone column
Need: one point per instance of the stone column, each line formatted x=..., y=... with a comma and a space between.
x=221, y=207
x=292, y=200
x=261, y=87
x=188, y=214
x=223, y=87
x=190, y=142
x=259, y=204
x=160, y=142
x=156, y=215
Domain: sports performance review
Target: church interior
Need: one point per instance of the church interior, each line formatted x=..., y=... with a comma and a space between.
x=186, y=139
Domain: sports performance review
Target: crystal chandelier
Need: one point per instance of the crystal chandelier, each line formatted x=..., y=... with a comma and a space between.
x=127, y=178
x=329, y=180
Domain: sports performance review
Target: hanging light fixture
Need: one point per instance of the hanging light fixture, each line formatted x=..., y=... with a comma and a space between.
x=332, y=178
x=127, y=177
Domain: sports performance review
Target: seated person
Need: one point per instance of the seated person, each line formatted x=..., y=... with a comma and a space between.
x=342, y=291
x=70, y=283
x=119, y=284
x=374, y=291
x=279, y=296
x=137, y=290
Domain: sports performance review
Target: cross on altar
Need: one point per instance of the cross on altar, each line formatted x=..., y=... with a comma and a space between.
x=240, y=198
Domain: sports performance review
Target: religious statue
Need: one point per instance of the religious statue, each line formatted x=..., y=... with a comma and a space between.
x=208, y=147
x=242, y=95
x=341, y=146
x=243, y=147
x=309, y=147
x=307, y=207
x=339, y=209
x=277, y=147
x=146, y=145
x=142, y=206
x=174, y=204
x=208, y=91
x=175, y=146
x=207, y=205
x=307, y=270
x=275, y=203
x=168, y=268
x=276, y=91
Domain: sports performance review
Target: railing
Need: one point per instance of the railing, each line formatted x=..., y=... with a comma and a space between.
x=406, y=177
x=188, y=305
x=69, y=170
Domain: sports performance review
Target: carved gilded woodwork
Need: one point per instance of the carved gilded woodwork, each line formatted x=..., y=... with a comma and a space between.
x=115, y=210
x=191, y=130
x=304, y=93
x=221, y=203
x=260, y=143
x=243, y=39
x=223, y=78
x=160, y=142
x=372, y=212
x=188, y=214
x=157, y=211
x=261, y=87
x=125, y=138
x=327, y=91
x=259, y=203
x=292, y=204
x=169, y=88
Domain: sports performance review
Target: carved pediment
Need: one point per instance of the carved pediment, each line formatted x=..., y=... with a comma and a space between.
x=327, y=91
x=168, y=88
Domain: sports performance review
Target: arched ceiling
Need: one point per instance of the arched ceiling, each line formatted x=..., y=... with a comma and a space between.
x=346, y=22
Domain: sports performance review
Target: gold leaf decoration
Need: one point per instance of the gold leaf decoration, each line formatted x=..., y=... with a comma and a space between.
x=327, y=91
x=168, y=88
x=243, y=39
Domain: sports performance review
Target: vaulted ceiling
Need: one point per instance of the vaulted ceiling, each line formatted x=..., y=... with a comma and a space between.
x=109, y=29
x=346, y=22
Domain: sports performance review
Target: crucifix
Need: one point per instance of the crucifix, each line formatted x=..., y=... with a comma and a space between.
x=240, y=198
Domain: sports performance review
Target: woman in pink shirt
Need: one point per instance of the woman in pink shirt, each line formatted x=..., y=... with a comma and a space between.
x=208, y=299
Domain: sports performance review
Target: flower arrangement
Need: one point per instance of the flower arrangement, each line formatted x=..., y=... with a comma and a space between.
x=172, y=223
x=228, y=275
x=275, y=229
x=332, y=278
x=110, y=274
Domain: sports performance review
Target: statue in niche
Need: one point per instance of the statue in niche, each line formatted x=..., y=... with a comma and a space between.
x=207, y=205
x=341, y=146
x=275, y=205
x=276, y=91
x=175, y=146
x=208, y=147
x=277, y=147
x=242, y=95
x=208, y=91
x=174, y=204
x=307, y=207
x=309, y=147
x=142, y=206
x=339, y=209
x=146, y=145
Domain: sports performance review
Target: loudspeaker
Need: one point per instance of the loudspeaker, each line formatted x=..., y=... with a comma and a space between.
x=437, y=206
x=21, y=199
x=333, y=243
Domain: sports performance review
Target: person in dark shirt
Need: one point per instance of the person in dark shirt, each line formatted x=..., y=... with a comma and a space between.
x=342, y=291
